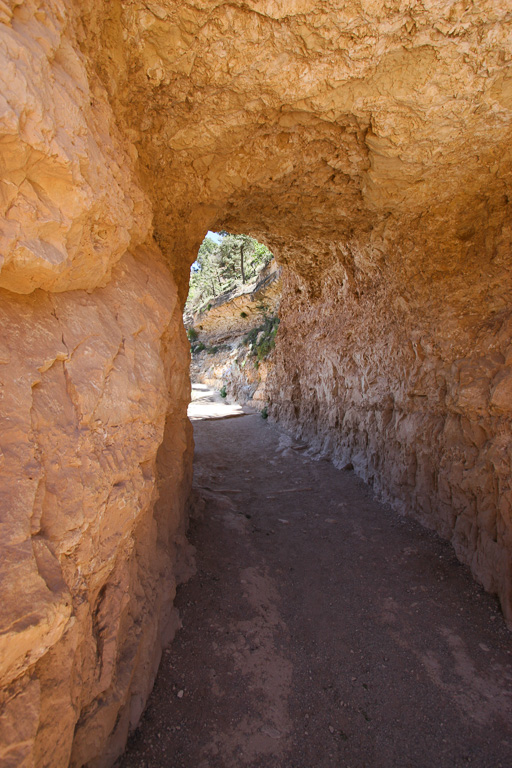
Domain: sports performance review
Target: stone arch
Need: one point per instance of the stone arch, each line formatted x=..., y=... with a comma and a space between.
x=370, y=148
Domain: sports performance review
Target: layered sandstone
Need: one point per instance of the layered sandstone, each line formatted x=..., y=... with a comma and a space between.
x=369, y=145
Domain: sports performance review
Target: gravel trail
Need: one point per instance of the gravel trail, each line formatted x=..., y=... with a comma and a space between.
x=321, y=630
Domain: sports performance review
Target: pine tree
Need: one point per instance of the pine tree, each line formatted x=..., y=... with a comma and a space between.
x=221, y=267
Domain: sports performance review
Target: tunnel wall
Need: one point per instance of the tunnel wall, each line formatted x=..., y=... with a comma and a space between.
x=95, y=446
x=89, y=558
x=404, y=371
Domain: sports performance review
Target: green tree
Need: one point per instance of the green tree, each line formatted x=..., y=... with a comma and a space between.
x=245, y=246
x=221, y=267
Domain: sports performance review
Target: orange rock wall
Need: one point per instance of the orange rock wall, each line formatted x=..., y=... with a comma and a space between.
x=405, y=371
x=89, y=550
x=95, y=446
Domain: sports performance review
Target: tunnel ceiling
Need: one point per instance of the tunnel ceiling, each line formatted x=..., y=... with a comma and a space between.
x=314, y=121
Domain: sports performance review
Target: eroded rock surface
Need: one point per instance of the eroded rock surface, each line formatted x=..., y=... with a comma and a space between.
x=317, y=126
x=95, y=444
x=404, y=379
x=69, y=201
x=369, y=145
x=90, y=441
x=236, y=312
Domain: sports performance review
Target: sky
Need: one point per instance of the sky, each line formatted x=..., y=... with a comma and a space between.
x=214, y=236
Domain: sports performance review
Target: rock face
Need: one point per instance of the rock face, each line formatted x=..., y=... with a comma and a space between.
x=94, y=438
x=235, y=313
x=233, y=369
x=69, y=202
x=93, y=479
x=369, y=145
x=402, y=378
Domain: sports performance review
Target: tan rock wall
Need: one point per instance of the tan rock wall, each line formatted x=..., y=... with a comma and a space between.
x=405, y=372
x=95, y=447
x=89, y=440
x=234, y=368
x=227, y=360
x=235, y=314
x=68, y=199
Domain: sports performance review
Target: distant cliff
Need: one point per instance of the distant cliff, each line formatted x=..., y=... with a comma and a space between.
x=232, y=342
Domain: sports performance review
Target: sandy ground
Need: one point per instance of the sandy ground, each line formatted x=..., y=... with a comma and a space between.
x=208, y=404
x=321, y=630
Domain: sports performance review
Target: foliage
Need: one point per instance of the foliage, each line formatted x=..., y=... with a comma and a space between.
x=223, y=392
x=197, y=347
x=262, y=339
x=192, y=334
x=221, y=267
x=264, y=412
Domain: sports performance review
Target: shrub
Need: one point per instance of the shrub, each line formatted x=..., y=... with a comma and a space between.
x=266, y=334
x=250, y=337
x=265, y=347
x=192, y=334
x=264, y=413
x=223, y=392
x=243, y=314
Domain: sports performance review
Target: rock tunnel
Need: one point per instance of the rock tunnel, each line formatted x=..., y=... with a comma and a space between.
x=368, y=144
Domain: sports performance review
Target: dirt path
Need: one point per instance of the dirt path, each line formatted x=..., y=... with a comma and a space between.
x=321, y=630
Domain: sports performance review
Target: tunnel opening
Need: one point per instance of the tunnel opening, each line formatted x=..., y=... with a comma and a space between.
x=231, y=317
